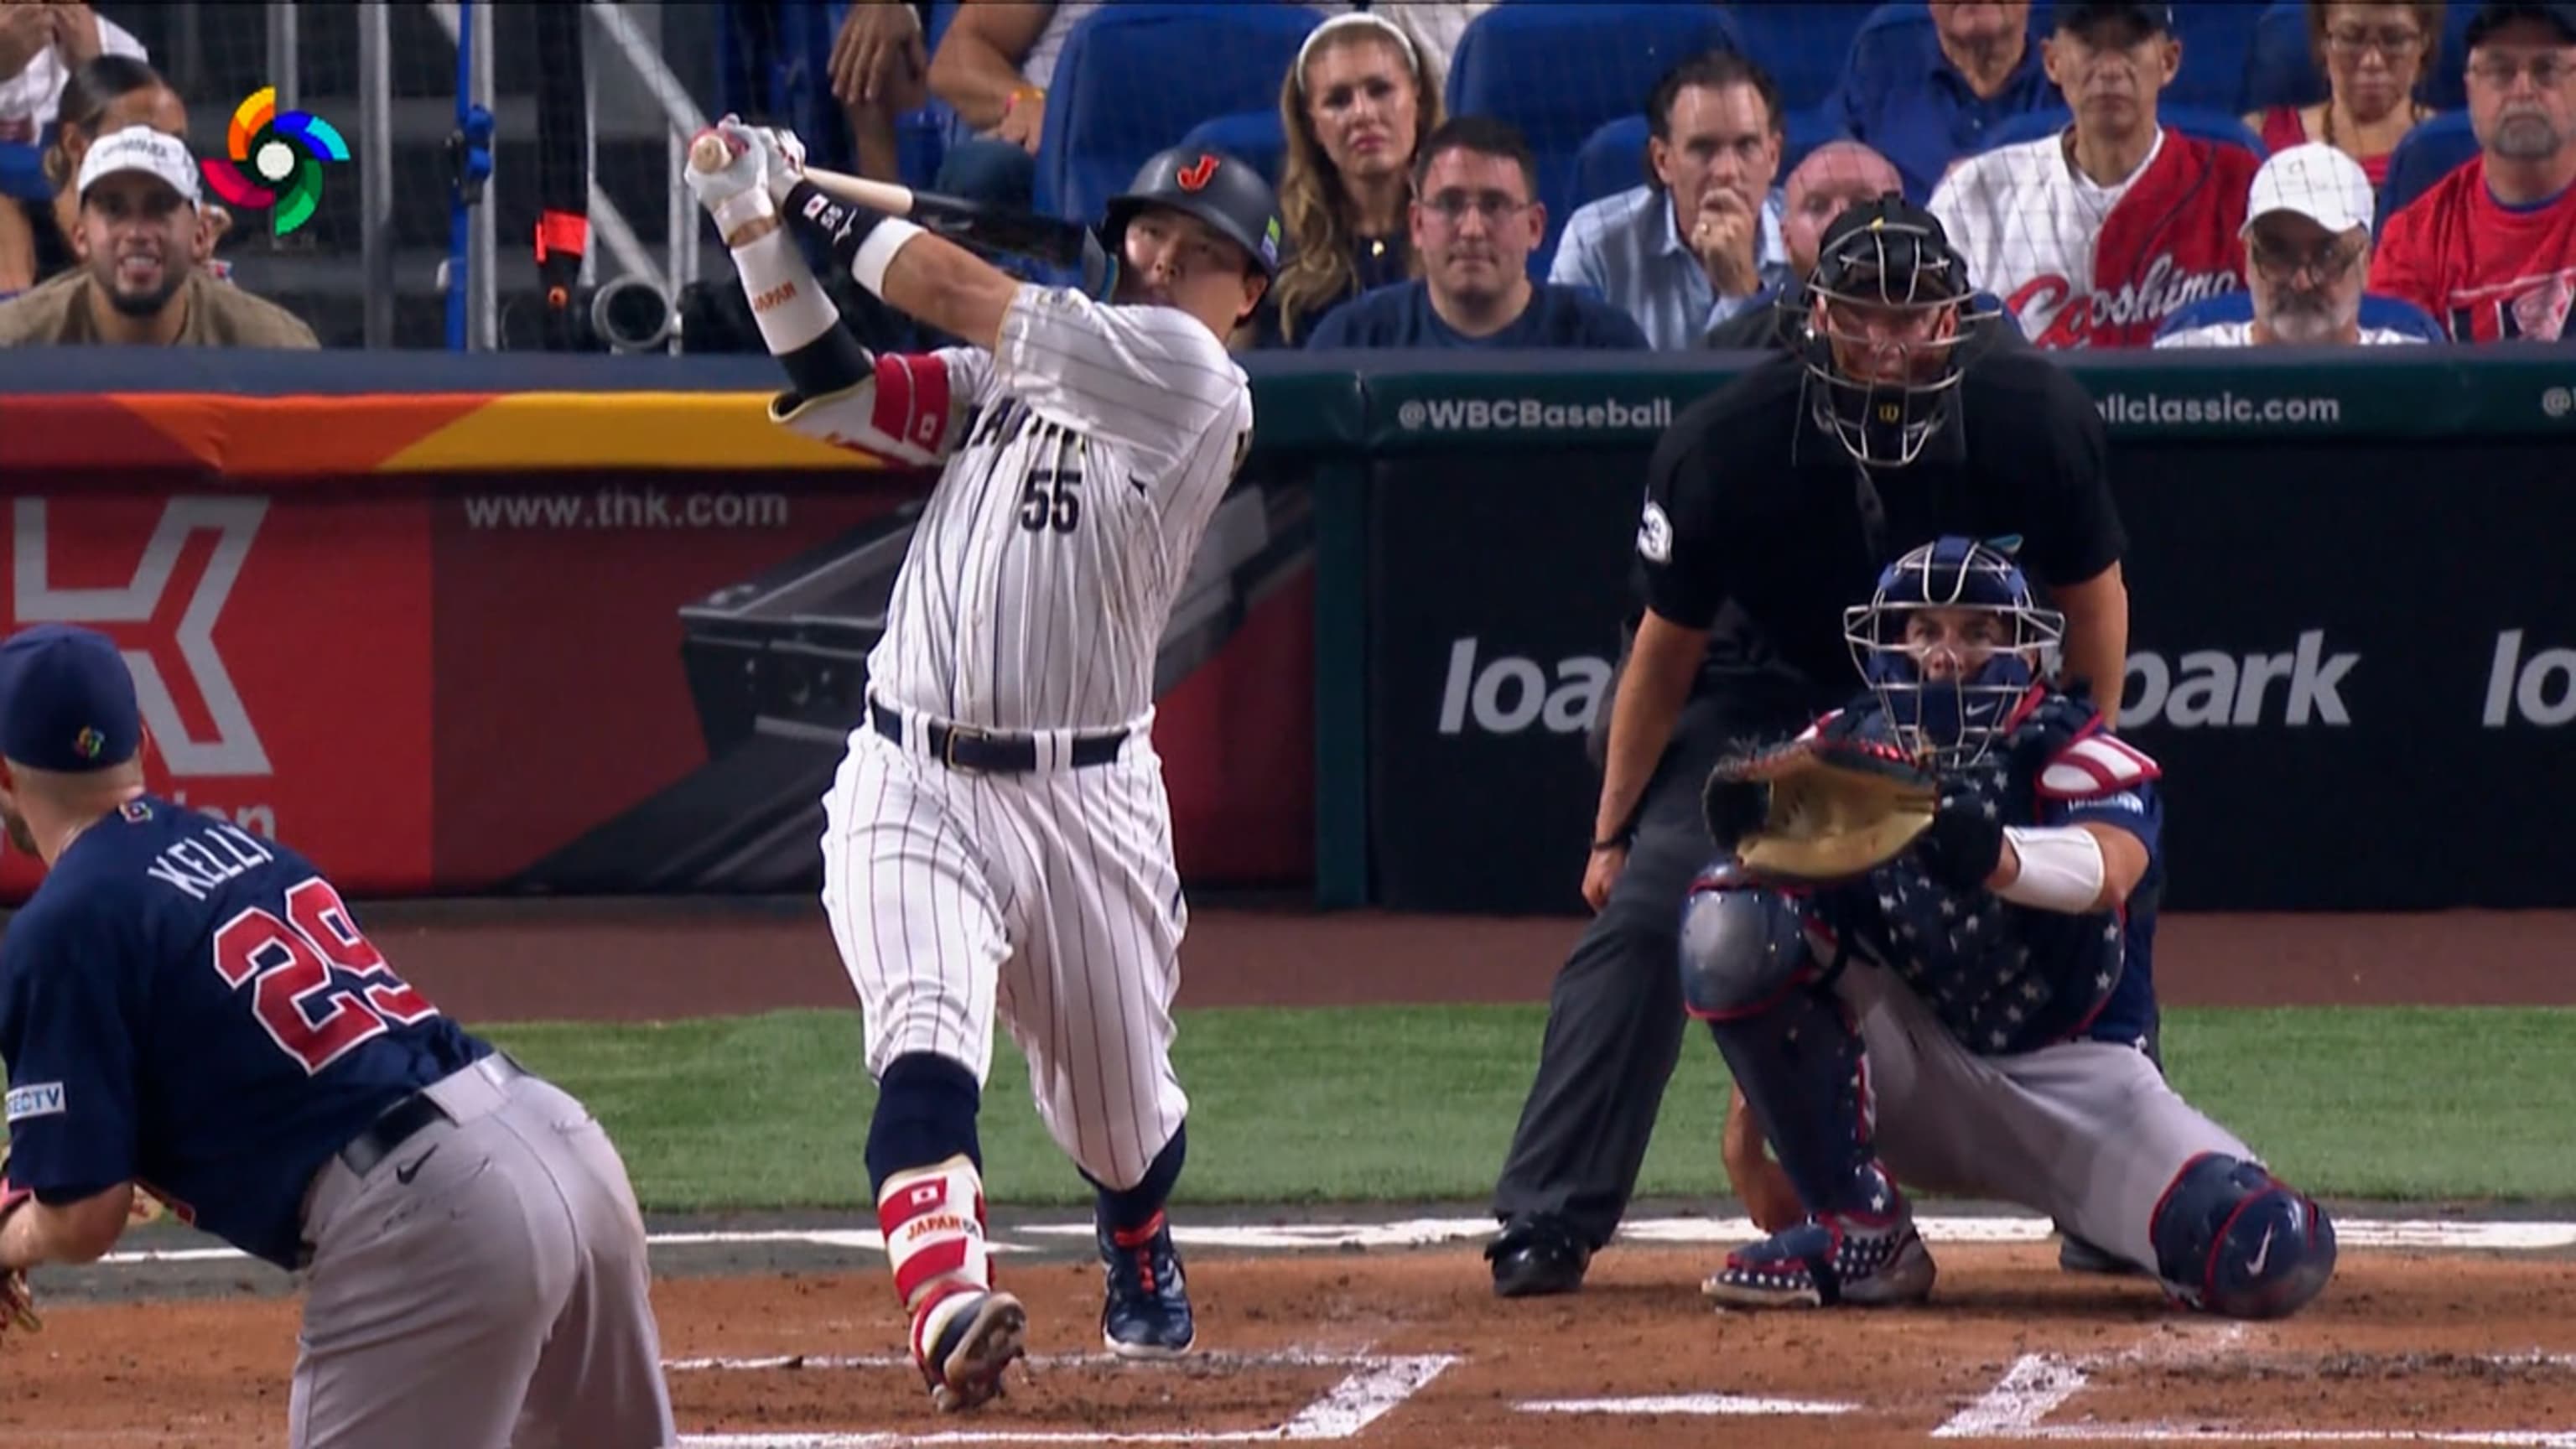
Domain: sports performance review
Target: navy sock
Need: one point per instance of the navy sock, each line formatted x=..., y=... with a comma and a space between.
x=1133, y=1208
x=926, y=1108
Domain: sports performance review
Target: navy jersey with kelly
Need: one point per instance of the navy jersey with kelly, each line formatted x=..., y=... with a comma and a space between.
x=186, y=1005
x=2010, y=978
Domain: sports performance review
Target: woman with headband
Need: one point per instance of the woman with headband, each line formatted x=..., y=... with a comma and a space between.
x=1355, y=106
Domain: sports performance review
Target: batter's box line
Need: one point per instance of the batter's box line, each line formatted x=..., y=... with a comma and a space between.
x=2038, y=1384
x=1374, y=1387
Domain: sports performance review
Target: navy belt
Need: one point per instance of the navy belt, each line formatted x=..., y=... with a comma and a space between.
x=405, y=1119
x=994, y=752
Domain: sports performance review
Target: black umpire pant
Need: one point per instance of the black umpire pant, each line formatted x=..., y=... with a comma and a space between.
x=1615, y=1019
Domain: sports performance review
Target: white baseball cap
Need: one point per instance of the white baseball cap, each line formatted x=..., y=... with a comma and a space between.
x=2318, y=182
x=141, y=148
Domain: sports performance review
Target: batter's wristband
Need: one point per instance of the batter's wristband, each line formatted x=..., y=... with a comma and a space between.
x=839, y=225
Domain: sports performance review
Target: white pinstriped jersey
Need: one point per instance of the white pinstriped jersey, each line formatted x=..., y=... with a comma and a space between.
x=1084, y=459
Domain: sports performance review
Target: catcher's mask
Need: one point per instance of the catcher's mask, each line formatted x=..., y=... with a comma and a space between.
x=1885, y=318
x=1950, y=642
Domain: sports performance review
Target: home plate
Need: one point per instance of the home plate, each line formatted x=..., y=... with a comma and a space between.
x=1711, y=1404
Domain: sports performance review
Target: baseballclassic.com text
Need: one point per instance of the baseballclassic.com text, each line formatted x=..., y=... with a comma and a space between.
x=617, y=508
x=2129, y=409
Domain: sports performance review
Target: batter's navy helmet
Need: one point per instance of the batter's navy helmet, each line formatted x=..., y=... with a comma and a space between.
x=1226, y=193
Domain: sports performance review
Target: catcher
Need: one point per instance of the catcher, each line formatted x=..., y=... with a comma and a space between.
x=1911, y=955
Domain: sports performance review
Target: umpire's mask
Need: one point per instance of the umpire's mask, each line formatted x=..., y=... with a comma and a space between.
x=1885, y=319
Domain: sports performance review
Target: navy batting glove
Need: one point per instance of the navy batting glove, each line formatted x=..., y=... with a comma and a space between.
x=1963, y=845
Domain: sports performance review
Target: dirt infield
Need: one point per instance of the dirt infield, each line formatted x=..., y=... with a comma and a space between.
x=659, y=960
x=1408, y=1351
x=1394, y=1349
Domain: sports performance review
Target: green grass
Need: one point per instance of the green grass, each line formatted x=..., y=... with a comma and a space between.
x=1418, y=1103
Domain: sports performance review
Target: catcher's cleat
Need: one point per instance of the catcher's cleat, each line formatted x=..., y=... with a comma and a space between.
x=963, y=1338
x=1824, y=1261
x=1147, y=1313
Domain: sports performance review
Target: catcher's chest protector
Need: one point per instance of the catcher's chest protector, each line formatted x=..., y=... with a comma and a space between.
x=2003, y=978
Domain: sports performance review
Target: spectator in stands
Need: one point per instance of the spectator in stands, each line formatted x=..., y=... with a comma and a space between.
x=41, y=44
x=1834, y=176
x=2093, y=236
x=1355, y=107
x=1698, y=242
x=1476, y=219
x=880, y=69
x=108, y=93
x=2307, y=249
x=2374, y=53
x=993, y=67
x=1925, y=96
x=2490, y=250
x=140, y=282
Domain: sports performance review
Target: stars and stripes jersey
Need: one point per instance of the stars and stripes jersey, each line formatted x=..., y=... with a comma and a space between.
x=2085, y=265
x=1083, y=458
x=2489, y=271
x=2004, y=977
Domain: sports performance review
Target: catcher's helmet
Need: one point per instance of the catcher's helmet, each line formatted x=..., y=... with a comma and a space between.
x=1950, y=713
x=1226, y=193
x=1889, y=290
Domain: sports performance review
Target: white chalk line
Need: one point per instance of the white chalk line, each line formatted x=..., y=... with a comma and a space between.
x=2039, y=1384
x=1701, y=1404
x=1375, y=1386
x=2432, y=1234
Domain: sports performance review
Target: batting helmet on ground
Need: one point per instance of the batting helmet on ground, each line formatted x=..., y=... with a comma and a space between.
x=1226, y=193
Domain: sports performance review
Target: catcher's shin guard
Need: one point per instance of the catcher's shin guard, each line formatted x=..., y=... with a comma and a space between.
x=1795, y=1053
x=2234, y=1240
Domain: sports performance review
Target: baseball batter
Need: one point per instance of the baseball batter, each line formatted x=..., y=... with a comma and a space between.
x=998, y=843
x=191, y=1012
x=1961, y=1019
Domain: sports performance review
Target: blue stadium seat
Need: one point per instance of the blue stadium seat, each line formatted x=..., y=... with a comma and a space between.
x=1134, y=78
x=2208, y=125
x=1560, y=71
x=1803, y=45
x=2395, y=313
x=2282, y=68
x=2446, y=86
x=1807, y=130
x=2430, y=152
x=1252, y=136
x=2217, y=37
x=22, y=173
x=1611, y=160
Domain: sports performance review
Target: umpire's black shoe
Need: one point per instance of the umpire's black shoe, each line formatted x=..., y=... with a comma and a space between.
x=1536, y=1257
x=2078, y=1256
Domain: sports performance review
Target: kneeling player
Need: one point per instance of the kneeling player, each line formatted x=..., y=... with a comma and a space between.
x=1960, y=1018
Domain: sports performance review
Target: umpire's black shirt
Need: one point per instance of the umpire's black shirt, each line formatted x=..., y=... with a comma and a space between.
x=1761, y=528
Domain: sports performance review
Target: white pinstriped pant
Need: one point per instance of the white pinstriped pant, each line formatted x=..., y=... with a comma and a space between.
x=1048, y=898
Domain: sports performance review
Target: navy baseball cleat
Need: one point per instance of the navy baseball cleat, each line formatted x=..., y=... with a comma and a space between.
x=1147, y=1314
x=1838, y=1258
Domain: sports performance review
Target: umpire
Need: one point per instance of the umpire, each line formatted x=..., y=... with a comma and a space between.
x=1769, y=505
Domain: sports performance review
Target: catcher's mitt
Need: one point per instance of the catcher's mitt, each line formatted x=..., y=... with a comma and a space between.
x=1834, y=804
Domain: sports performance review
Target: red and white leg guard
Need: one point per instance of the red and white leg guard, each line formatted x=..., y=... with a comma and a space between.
x=933, y=1221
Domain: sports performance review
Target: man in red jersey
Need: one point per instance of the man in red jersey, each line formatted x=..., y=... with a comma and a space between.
x=2491, y=249
x=2094, y=236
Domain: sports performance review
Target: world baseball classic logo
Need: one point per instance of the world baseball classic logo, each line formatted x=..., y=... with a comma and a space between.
x=284, y=154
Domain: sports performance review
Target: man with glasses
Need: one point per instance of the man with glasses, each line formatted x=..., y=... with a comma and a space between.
x=2491, y=248
x=2307, y=248
x=1476, y=219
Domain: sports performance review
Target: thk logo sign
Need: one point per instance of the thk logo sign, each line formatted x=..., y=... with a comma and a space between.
x=235, y=748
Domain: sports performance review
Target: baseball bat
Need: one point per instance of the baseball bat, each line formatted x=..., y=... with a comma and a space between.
x=969, y=223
